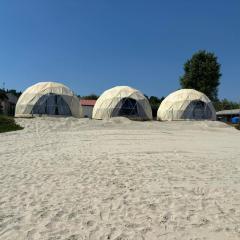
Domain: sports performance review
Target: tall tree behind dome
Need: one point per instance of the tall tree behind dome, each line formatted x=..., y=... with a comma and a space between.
x=202, y=73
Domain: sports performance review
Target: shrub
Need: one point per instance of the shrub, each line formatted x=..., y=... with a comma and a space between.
x=8, y=124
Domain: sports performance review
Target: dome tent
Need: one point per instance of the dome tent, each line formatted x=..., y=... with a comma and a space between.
x=186, y=104
x=48, y=98
x=122, y=101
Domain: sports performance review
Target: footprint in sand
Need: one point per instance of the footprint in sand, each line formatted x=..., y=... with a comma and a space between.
x=199, y=191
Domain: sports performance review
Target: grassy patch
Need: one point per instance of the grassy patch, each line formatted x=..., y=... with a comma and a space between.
x=8, y=124
x=237, y=126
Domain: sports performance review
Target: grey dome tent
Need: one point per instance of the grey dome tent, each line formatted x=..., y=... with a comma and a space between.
x=122, y=101
x=48, y=98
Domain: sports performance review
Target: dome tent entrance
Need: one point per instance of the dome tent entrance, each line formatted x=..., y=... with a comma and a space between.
x=48, y=98
x=51, y=104
x=122, y=101
x=186, y=104
x=197, y=109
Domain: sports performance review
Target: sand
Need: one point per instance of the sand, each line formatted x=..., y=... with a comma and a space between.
x=70, y=179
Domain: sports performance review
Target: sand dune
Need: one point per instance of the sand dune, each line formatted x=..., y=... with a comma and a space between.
x=70, y=179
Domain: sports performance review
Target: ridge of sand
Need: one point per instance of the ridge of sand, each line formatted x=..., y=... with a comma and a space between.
x=69, y=179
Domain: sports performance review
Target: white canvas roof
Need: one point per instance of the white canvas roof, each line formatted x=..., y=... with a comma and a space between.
x=122, y=101
x=229, y=112
x=186, y=104
x=49, y=98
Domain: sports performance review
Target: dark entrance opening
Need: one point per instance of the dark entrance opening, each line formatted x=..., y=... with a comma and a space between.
x=127, y=107
x=198, y=110
x=51, y=104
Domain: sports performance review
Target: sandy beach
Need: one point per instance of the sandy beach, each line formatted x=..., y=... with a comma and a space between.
x=70, y=179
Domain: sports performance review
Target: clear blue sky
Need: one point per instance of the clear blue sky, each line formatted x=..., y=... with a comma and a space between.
x=92, y=45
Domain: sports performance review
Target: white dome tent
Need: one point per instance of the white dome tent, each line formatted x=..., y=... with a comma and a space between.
x=186, y=104
x=122, y=101
x=48, y=98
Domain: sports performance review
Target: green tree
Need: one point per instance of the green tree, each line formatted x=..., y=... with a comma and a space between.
x=3, y=95
x=225, y=105
x=91, y=96
x=154, y=102
x=202, y=73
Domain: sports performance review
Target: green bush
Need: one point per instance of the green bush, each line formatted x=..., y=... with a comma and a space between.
x=237, y=127
x=8, y=124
